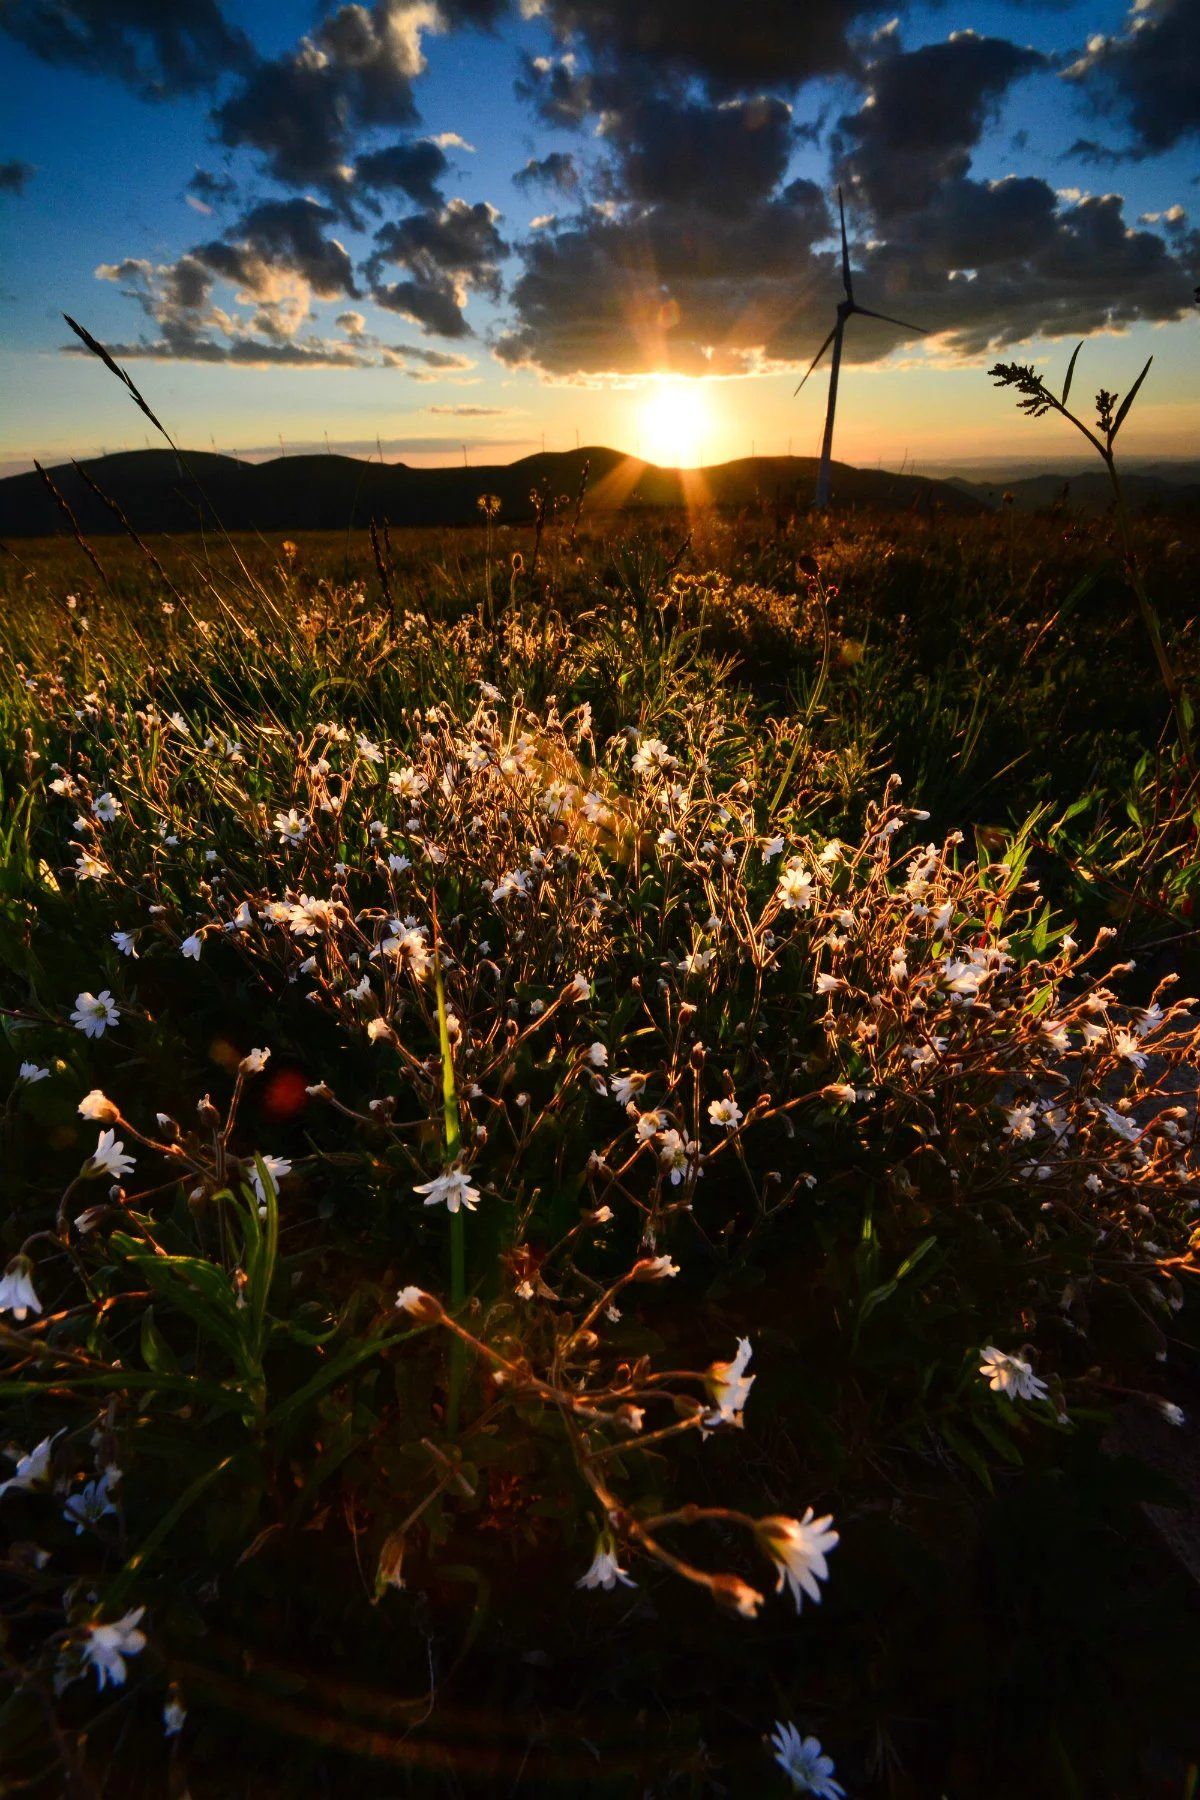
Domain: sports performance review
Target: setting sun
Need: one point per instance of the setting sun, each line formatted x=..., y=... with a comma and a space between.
x=674, y=423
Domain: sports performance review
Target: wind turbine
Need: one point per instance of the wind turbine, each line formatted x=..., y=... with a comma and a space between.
x=846, y=308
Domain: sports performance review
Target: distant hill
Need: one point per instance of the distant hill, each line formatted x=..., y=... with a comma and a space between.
x=332, y=493
x=1091, y=492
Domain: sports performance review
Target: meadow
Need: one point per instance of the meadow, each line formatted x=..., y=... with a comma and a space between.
x=602, y=1186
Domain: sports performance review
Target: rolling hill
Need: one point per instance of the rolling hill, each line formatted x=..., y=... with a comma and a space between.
x=157, y=492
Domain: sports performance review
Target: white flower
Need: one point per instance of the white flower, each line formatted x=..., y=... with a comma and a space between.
x=367, y=750
x=1010, y=1375
x=656, y=1268
x=581, y=987
x=795, y=888
x=513, y=881
x=89, y=868
x=798, y=1548
x=107, y=1646
x=627, y=1087
x=29, y=1073
x=725, y=1112
x=1126, y=1046
x=254, y=1062
x=416, y=1301
x=1174, y=1415
x=729, y=1385
x=451, y=1189
x=398, y=864
x=598, y=1056
x=174, y=1714
x=124, y=942
x=291, y=827
x=771, y=848
x=805, y=1765
x=407, y=782
x=180, y=723
x=309, y=917
x=32, y=1471
x=605, y=1570
x=106, y=807
x=277, y=1167
x=190, y=947
x=17, y=1294
x=678, y=1155
x=109, y=1158
x=92, y=1502
x=653, y=754
x=97, y=1106
x=1021, y=1121
x=378, y=1028
x=1055, y=1034
x=94, y=1013
x=829, y=984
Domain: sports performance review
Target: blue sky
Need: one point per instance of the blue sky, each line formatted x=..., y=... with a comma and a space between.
x=668, y=299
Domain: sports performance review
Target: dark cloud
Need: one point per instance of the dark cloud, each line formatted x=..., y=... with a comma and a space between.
x=770, y=45
x=1148, y=75
x=414, y=168
x=15, y=177
x=925, y=111
x=212, y=190
x=303, y=111
x=448, y=254
x=443, y=360
x=283, y=238
x=681, y=152
x=159, y=48
x=672, y=287
x=558, y=170
x=311, y=353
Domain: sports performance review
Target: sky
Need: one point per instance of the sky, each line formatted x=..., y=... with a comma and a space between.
x=438, y=230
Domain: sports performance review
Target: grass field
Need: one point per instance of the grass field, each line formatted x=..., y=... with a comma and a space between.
x=601, y=1159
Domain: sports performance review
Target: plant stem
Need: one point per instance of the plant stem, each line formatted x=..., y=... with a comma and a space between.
x=453, y=1134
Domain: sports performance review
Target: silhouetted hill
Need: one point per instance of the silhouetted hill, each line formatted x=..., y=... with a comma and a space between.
x=331, y=493
x=1089, y=492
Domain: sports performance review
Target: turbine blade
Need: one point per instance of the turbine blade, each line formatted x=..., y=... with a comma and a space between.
x=888, y=320
x=816, y=359
x=845, y=251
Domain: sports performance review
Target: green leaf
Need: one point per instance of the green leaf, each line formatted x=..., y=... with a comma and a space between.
x=1071, y=371
x=1128, y=401
x=157, y=1354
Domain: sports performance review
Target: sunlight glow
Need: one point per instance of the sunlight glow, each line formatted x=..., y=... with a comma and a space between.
x=674, y=422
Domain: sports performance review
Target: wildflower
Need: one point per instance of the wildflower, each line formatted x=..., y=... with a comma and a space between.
x=829, y=984
x=1010, y=1375
x=92, y=1503
x=29, y=1073
x=190, y=947
x=277, y=1167
x=106, y=807
x=1055, y=1034
x=89, y=868
x=421, y=1305
x=725, y=1112
x=795, y=888
x=652, y=754
x=605, y=1570
x=802, y=1760
x=581, y=987
x=1021, y=1120
x=452, y=1189
x=97, y=1106
x=678, y=1156
x=771, y=848
x=378, y=1028
x=291, y=827
x=513, y=881
x=398, y=864
x=839, y=1090
x=798, y=1548
x=109, y=1158
x=729, y=1385
x=408, y=945
x=597, y=1055
x=627, y=1087
x=107, y=1646
x=180, y=723
x=94, y=1013
x=17, y=1294
x=648, y=1123
x=174, y=1714
x=125, y=942
x=696, y=961
x=32, y=1471
x=656, y=1268
x=736, y=1594
x=407, y=782
x=1126, y=1046
x=367, y=750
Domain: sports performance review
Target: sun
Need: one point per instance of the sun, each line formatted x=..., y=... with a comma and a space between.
x=674, y=422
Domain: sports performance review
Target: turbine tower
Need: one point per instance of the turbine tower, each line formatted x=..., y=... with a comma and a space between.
x=846, y=308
